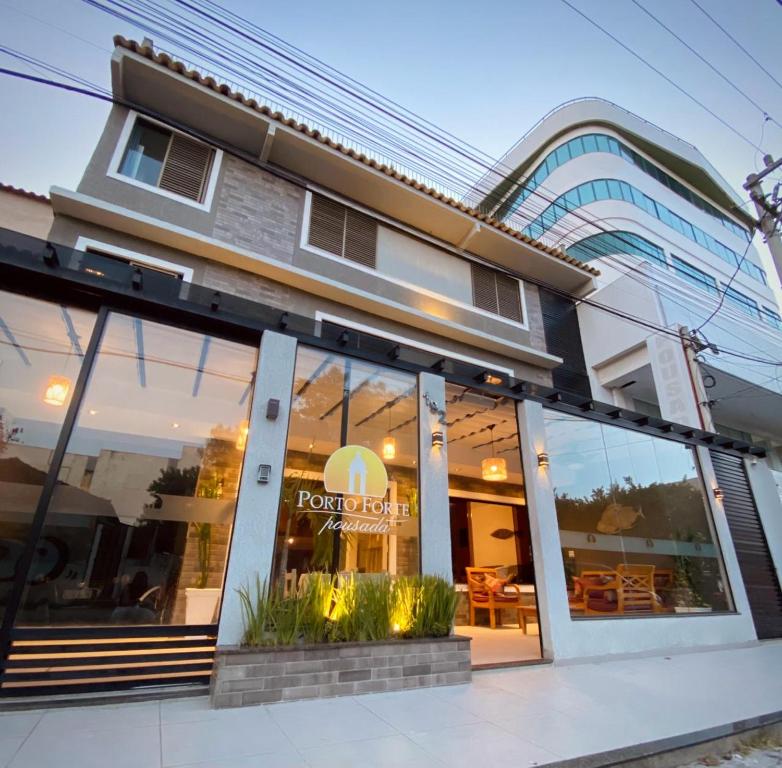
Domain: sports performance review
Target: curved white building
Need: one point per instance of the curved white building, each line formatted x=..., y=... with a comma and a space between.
x=667, y=233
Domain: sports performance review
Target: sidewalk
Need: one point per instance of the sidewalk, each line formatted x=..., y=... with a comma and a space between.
x=520, y=717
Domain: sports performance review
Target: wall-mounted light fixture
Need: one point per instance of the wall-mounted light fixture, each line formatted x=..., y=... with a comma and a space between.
x=719, y=494
x=389, y=447
x=57, y=389
x=437, y=439
x=241, y=438
x=542, y=459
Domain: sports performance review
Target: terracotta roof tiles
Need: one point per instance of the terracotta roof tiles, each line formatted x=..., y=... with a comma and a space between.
x=163, y=59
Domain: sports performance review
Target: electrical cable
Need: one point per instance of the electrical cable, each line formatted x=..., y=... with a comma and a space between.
x=733, y=40
x=714, y=69
x=554, y=289
x=665, y=77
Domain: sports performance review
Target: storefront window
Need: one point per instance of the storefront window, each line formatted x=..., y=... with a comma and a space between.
x=41, y=352
x=350, y=495
x=635, y=529
x=138, y=529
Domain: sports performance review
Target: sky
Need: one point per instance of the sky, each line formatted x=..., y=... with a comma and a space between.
x=486, y=73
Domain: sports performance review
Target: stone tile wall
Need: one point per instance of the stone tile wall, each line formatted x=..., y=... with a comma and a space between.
x=244, y=676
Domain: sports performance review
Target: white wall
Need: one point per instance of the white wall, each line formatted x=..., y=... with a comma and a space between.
x=422, y=265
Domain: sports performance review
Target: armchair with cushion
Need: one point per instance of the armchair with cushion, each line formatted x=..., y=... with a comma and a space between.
x=628, y=589
x=485, y=590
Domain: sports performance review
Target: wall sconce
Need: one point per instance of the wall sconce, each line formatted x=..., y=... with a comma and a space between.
x=57, y=389
x=437, y=439
x=719, y=494
x=543, y=460
x=389, y=448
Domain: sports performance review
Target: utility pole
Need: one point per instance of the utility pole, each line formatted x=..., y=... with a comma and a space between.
x=769, y=212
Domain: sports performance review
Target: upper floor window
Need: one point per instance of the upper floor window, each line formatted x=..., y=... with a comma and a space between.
x=771, y=317
x=163, y=158
x=497, y=293
x=742, y=302
x=342, y=231
x=694, y=275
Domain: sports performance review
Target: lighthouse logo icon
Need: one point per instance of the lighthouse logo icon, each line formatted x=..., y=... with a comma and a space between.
x=355, y=471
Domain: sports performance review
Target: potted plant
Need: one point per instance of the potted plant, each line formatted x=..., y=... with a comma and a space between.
x=342, y=635
x=201, y=600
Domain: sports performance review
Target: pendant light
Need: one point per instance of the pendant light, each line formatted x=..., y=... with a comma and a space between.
x=57, y=390
x=494, y=469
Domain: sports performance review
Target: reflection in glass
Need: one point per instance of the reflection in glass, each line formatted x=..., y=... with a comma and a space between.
x=489, y=524
x=635, y=530
x=138, y=529
x=41, y=349
x=353, y=510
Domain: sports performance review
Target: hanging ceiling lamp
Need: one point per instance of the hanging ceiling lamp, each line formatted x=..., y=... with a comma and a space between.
x=492, y=468
x=57, y=389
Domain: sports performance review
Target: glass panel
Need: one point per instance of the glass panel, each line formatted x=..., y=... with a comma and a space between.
x=635, y=530
x=576, y=147
x=602, y=143
x=41, y=352
x=601, y=189
x=563, y=154
x=350, y=497
x=139, y=532
x=145, y=153
x=590, y=143
x=586, y=193
x=489, y=527
x=614, y=189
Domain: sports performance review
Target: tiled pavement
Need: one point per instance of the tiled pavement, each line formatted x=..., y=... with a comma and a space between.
x=520, y=717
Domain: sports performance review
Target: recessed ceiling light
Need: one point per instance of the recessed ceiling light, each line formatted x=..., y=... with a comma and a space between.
x=92, y=412
x=175, y=424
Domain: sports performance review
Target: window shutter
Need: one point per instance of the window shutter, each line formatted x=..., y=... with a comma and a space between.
x=186, y=167
x=360, y=238
x=327, y=225
x=484, y=290
x=508, y=297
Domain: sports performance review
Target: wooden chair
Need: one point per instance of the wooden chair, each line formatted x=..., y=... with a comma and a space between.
x=637, y=589
x=628, y=589
x=481, y=596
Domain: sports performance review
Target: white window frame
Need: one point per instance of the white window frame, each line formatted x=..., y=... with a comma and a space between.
x=305, y=245
x=370, y=329
x=85, y=243
x=119, y=153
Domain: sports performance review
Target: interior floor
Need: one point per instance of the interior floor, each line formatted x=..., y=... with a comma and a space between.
x=504, y=645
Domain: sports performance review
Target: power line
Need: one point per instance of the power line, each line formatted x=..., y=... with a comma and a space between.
x=665, y=77
x=554, y=289
x=733, y=40
x=714, y=69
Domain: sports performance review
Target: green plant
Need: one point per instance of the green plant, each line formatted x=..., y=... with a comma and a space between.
x=204, y=534
x=255, y=614
x=348, y=609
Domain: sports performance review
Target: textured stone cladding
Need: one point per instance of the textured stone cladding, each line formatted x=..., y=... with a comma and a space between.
x=257, y=211
x=244, y=676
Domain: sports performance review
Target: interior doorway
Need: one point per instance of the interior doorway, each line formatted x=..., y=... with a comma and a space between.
x=491, y=548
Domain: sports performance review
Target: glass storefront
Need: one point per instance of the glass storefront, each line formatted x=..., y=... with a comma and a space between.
x=634, y=523
x=349, y=501
x=41, y=352
x=138, y=526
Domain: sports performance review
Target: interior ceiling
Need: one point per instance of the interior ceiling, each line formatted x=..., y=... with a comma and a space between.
x=383, y=404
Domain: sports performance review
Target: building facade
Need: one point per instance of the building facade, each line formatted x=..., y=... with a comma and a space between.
x=243, y=351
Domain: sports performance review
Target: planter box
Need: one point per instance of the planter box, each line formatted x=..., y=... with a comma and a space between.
x=244, y=676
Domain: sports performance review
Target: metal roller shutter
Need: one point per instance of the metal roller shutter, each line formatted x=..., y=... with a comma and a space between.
x=757, y=567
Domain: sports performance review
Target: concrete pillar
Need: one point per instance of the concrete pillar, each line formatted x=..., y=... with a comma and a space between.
x=433, y=478
x=725, y=540
x=764, y=489
x=255, y=524
x=550, y=584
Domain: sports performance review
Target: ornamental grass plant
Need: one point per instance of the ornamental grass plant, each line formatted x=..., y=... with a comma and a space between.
x=366, y=608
